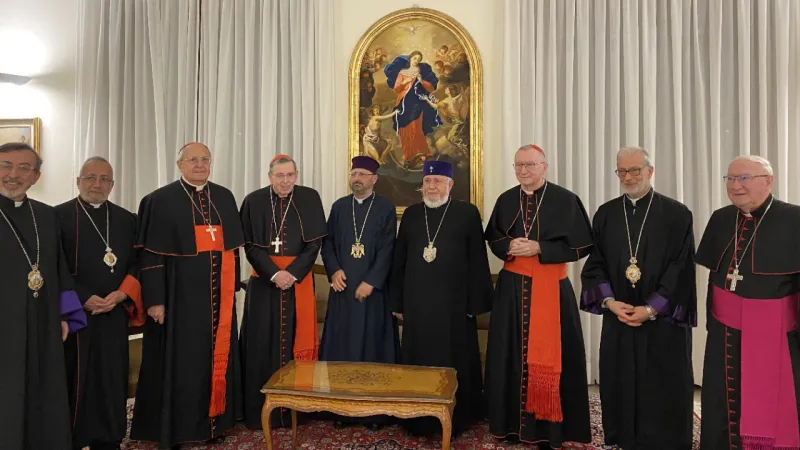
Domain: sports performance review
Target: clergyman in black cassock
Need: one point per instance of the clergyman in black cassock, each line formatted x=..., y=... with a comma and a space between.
x=648, y=309
x=39, y=308
x=189, y=233
x=98, y=238
x=358, y=255
x=536, y=389
x=440, y=281
x=751, y=372
x=283, y=226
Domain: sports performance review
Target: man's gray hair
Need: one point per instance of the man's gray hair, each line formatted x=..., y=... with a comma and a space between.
x=180, y=152
x=636, y=150
x=282, y=160
x=534, y=147
x=21, y=147
x=756, y=159
x=94, y=159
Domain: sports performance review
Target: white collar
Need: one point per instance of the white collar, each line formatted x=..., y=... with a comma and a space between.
x=18, y=204
x=96, y=205
x=197, y=188
x=361, y=200
x=634, y=200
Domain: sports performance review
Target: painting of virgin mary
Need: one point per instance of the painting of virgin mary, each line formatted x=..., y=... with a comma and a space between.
x=413, y=81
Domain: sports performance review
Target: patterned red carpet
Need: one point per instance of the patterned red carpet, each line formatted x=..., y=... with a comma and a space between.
x=321, y=435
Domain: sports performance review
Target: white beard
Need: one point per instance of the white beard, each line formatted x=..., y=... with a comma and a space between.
x=435, y=203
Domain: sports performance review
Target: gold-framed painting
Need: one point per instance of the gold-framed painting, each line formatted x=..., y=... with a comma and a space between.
x=21, y=130
x=416, y=93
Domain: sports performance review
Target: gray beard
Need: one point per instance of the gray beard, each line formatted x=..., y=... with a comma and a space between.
x=435, y=203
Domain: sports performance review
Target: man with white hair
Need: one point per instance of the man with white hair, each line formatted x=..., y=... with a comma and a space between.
x=752, y=363
x=640, y=277
x=189, y=234
x=98, y=239
x=535, y=360
x=440, y=281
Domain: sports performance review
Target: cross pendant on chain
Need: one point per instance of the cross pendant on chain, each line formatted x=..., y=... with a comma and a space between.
x=277, y=244
x=212, y=229
x=734, y=277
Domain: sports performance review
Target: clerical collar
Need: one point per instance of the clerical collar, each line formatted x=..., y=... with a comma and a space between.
x=275, y=193
x=361, y=200
x=634, y=200
x=8, y=203
x=539, y=189
x=190, y=185
x=758, y=212
x=93, y=205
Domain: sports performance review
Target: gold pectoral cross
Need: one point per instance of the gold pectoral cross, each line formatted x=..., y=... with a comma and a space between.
x=212, y=230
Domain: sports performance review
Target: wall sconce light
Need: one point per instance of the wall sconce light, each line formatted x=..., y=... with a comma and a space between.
x=13, y=79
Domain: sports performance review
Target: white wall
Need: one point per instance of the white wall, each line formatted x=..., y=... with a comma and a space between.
x=44, y=34
x=479, y=18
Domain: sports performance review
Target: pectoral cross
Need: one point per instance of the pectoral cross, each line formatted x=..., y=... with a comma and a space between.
x=734, y=277
x=277, y=244
x=212, y=230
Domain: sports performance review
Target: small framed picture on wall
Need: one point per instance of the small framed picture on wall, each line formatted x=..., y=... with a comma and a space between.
x=21, y=130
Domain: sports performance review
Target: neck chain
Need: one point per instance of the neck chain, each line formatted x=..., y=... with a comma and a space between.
x=429, y=253
x=35, y=278
x=210, y=229
x=110, y=259
x=357, y=249
x=523, y=211
x=736, y=260
x=633, y=273
x=278, y=242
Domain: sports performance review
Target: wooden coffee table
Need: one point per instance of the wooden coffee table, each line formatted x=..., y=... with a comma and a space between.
x=360, y=390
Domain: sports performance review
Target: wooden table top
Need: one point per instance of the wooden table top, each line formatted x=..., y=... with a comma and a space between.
x=364, y=381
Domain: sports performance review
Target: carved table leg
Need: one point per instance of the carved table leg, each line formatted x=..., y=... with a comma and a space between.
x=446, y=417
x=294, y=429
x=265, y=422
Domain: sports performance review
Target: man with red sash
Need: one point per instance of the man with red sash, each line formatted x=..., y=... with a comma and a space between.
x=283, y=227
x=536, y=388
x=189, y=232
x=98, y=239
x=752, y=362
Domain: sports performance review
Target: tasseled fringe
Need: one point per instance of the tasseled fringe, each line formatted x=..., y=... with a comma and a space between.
x=763, y=443
x=218, y=391
x=309, y=354
x=544, y=399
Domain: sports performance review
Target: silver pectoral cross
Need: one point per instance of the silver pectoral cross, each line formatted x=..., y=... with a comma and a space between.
x=277, y=244
x=734, y=277
x=212, y=230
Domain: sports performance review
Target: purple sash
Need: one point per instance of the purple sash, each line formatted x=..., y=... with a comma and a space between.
x=769, y=408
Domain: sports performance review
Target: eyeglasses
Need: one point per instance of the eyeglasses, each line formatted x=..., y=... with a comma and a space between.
x=634, y=171
x=434, y=181
x=22, y=169
x=93, y=178
x=360, y=175
x=285, y=176
x=199, y=161
x=742, y=179
x=527, y=165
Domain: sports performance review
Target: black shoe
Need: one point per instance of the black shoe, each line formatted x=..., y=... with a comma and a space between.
x=216, y=440
x=511, y=439
x=339, y=425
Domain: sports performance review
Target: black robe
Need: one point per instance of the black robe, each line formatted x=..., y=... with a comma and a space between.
x=97, y=356
x=646, y=379
x=34, y=412
x=269, y=321
x=439, y=300
x=174, y=393
x=770, y=270
x=564, y=234
x=360, y=330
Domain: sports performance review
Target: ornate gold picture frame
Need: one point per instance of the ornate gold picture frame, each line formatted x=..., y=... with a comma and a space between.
x=21, y=130
x=416, y=93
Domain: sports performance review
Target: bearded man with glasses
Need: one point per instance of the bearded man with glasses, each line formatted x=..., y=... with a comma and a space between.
x=751, y=372
x=39, y=308
x=640, y=277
